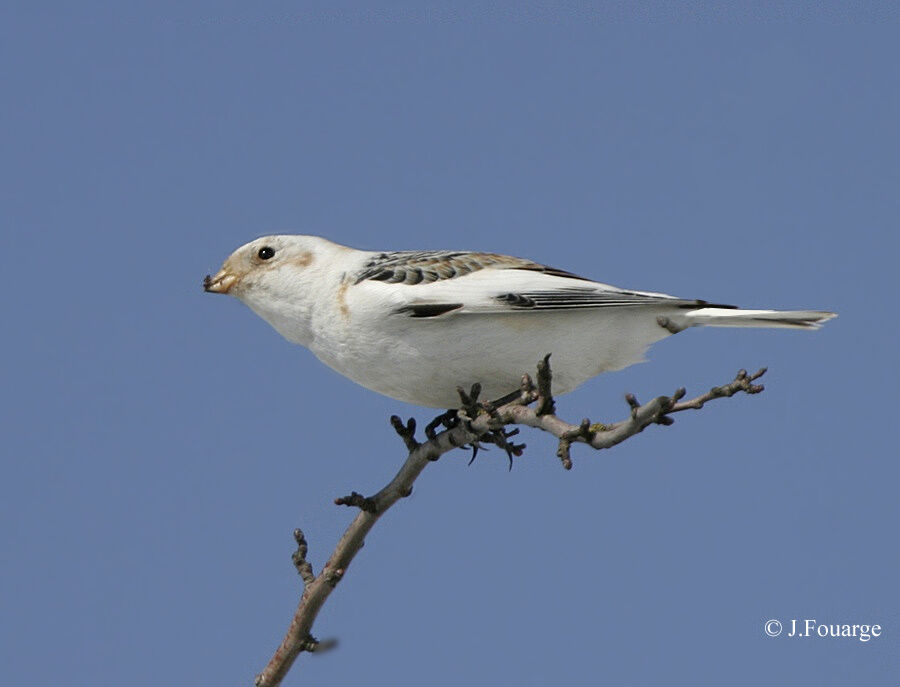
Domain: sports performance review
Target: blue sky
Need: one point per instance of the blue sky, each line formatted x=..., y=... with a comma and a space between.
x=161, y=444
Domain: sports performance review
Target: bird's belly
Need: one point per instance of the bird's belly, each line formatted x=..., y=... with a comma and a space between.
x=423, y=360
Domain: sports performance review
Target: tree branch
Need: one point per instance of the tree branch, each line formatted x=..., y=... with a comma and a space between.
x=472, y=424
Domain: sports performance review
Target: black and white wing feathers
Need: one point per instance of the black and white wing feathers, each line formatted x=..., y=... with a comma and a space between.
x=568, y=298
x=432, y=284
x=424, y=267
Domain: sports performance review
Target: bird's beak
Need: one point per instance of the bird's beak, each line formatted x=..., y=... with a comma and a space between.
x=221, y=283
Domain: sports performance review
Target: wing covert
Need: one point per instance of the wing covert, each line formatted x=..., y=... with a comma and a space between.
x=423, y=267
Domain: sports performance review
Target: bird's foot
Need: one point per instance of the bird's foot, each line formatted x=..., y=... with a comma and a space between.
x=448, y=420
x=471, y=409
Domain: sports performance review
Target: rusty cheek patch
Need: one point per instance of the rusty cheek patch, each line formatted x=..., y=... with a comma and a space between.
x=303, y=260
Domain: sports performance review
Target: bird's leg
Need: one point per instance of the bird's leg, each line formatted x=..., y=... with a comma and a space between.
x=472, y=408
x=509, y=398
x=449, y=419
x=469, y=411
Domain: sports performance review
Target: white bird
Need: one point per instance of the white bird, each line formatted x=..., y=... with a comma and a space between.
x=415, y=325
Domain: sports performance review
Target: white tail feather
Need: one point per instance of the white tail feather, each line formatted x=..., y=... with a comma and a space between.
x=727, y=317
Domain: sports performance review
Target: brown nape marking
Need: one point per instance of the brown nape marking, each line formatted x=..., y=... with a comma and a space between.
x=342, y=298
x=303, y=260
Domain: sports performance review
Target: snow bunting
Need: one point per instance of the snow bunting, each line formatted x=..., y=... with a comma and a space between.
x=414, y=325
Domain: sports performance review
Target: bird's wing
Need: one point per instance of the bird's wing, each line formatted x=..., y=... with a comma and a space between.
x=444, y=284
x=424, y=267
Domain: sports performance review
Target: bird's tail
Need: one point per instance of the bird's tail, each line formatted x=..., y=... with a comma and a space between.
x=728, y=317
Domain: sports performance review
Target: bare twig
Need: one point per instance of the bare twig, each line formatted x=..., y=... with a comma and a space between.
x=407, y=432
x=545, y=404
x=304, y=567
x=474, y=423
x=357, y=500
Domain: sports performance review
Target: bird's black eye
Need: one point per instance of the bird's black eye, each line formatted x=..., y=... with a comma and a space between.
x=265, y=253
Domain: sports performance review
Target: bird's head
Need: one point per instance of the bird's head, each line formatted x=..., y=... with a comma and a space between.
x=280, y=278
x=265, y=264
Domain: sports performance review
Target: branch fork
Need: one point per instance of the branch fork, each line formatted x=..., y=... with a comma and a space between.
x=473, y=424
